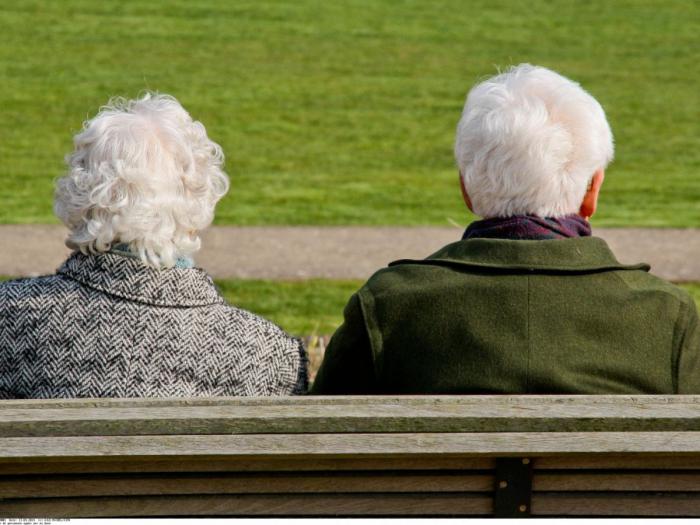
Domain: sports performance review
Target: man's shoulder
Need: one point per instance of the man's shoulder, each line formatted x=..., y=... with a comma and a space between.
x=396, y=278
x=640, y=282
x=443, y=268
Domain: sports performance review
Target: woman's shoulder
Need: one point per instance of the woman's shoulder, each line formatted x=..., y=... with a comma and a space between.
x=266, y=347
x=254, y=324
x=26, y=287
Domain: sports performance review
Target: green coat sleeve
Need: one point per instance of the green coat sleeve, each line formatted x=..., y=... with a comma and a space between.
x=348, y=365
x=689, y=356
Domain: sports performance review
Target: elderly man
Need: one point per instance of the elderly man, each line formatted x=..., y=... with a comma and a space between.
x=528, y=301
x=128, y=315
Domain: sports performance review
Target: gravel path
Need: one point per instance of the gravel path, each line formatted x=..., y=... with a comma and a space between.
x=340, y=252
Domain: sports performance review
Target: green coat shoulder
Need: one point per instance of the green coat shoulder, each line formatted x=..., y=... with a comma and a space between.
x=493, y=316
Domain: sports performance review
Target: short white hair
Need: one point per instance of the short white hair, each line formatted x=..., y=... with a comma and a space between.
x=529, y=142
x=142, y=173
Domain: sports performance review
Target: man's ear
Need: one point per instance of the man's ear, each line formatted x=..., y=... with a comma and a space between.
x=465, y=195
x=590, y=200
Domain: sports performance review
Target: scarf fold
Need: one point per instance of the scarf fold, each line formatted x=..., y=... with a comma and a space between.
x=123, y=250
x=528, y=227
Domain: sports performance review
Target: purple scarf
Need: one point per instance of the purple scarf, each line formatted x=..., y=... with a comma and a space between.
x=528, y=227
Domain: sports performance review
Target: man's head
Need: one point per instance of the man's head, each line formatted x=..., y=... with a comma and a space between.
x=531, y=142
x=143, y=173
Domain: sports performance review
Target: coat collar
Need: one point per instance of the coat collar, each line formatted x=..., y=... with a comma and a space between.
x=575, y=255
x=129, y=278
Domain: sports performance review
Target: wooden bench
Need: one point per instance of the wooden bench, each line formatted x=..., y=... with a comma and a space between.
x=428, y=455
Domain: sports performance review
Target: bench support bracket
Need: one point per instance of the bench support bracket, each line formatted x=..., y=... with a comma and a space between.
x=513, y=490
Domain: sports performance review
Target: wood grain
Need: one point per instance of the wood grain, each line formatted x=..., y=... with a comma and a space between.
x=254, y=505
x=616, y=504
x=237, y=416
x=644, y=481
x=51, y=465
x=619, y=462
x=545, y=504
x=53, y=486
x=328, y=445
x=63, y=485
x=491, y=400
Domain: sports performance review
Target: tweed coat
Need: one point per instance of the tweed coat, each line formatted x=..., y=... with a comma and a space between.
x=107, y=325
x=499, y=316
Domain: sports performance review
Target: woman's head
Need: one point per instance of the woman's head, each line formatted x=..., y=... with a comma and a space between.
x=142, y=173
x=529, y=142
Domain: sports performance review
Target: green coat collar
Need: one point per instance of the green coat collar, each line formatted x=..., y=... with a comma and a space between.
x=574, y=255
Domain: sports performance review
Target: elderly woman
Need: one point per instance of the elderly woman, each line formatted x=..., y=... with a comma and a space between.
x=528, y=301
x=128, y=315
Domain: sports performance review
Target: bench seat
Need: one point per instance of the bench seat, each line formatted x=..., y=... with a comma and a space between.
x=351, y=456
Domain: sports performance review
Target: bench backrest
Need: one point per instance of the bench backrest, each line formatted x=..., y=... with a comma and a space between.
x=427, y=455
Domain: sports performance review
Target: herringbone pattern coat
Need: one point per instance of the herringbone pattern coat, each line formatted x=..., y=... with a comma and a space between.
x=108, y=326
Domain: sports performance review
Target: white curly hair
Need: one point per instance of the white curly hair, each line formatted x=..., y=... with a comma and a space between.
x=143, y=173
x=529, y=142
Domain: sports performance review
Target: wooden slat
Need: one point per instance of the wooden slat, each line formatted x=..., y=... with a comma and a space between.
x=229, y=464
x=490, y=400
x=331, y=482
x=328, y=445
x=236, y=416
x=263, y=483
x=616, y=504
x=552, y=504
x=644, y=481
x=620, y=462
x=254, y=505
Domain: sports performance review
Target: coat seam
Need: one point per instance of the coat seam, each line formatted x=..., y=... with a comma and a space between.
x=678, y=342
x=529, y=343
x=366, y=300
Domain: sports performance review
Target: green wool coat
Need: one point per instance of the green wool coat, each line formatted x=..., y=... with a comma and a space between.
x=495, y=316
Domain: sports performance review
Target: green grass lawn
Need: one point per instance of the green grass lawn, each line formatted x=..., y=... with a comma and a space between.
x=344, y=112
x=694, y=290
x=300, y=307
